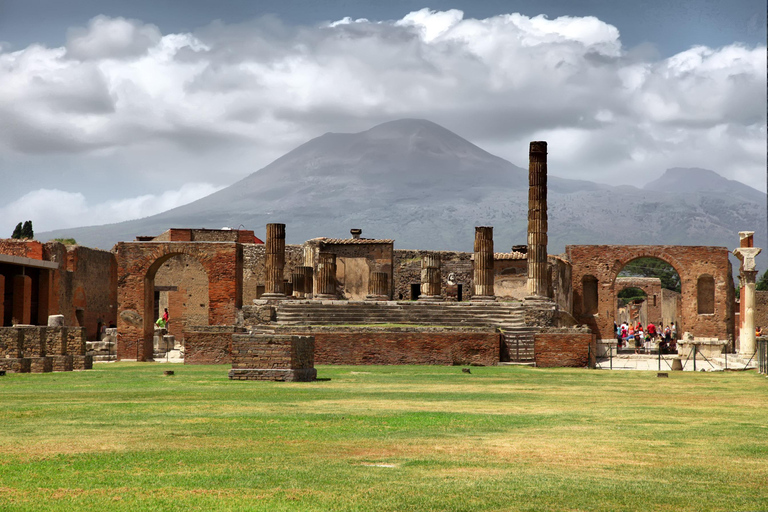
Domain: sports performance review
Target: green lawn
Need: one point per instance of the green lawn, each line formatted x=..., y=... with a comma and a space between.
x=125, y=437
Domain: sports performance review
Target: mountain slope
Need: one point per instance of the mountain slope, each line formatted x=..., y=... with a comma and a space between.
x=427, y=188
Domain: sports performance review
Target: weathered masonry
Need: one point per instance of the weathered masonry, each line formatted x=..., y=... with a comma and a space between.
x=705, y=276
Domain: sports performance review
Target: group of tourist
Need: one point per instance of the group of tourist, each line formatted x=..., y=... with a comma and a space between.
x=628, y=335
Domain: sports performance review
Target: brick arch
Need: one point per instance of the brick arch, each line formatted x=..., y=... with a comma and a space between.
x=138, y=263
x=606, y=261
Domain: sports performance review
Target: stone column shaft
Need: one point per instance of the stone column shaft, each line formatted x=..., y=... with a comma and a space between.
x=308, y=276
x=483, y=265
x=748, y=273
x=297, y=279
x=274, y=262
x=537, y=220
x=378, y=288
x=326, y=276
x=431, y=280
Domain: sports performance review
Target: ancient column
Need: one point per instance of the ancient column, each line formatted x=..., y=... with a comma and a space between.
x=483, y=268
x=430, y=277
x=537, y=219
x=748, y=274
x=274, y=263
x=377, y=286
x=308, y=276
x=326, y=276
x=297, y=279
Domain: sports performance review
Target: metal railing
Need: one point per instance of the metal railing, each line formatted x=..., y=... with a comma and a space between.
x=762, y=355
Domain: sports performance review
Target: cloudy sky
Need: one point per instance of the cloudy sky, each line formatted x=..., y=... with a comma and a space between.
x=111, y=110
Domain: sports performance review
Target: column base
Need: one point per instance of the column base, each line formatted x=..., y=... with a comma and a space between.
x=272, y=296
x=325, y=296
x=429, y=298
x=485, y=298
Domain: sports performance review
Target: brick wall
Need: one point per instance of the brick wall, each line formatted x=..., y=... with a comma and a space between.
x=209, y=344
x=272, y=357
x=360, y=346
x=564, y=348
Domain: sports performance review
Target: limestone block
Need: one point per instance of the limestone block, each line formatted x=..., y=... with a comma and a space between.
x=55, y=320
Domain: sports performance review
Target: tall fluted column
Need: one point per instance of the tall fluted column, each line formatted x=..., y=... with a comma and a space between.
x=326, y=276
x=747, y=253
x=377, y=286
x=537, y=220
x=483, y=269
x=308, y=276
x=297, y=279
x=430, y=277
x=274, y=285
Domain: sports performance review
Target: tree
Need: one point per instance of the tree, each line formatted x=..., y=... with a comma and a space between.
x=762, y=283
x=17, y=231
x=26, y=230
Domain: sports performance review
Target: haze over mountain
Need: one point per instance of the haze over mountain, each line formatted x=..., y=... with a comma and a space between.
x=426, y=187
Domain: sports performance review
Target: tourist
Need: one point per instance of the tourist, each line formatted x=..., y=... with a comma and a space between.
x=674, y=330
x=166, y=317
x=758, y=331
x=652, y=331
x=631, y=337
x=160, y=323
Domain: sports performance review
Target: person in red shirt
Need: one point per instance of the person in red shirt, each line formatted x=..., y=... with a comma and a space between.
x=652, y=331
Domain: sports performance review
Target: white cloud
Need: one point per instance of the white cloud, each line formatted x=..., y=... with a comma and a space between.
x=221, y=102
x=53, y=209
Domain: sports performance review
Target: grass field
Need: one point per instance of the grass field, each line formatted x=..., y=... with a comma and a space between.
x=125, y=437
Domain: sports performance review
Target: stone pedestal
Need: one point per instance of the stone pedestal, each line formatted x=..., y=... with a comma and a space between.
x=748, y=275
x=273, y=357
x=297, y=281
x=55, y=320
x=274, y=263
x=378, y=286
x=326, y=277
x=431, y=280
x=483, y=264
x=537, y=220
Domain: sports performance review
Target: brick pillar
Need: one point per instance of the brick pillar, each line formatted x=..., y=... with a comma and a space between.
x=377, y=286
x=430, y=277
x=297, y=280
x=483, y=268
x=2, y=300
x=326, y=276
x=274, y=286
x=308, y=277
x=537, y=220
x=22, y=299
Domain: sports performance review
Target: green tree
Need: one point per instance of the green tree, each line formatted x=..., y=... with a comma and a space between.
x=762, y=283
x=630, y=294
x=652, y=267
x=26, y=230
x=17, y=231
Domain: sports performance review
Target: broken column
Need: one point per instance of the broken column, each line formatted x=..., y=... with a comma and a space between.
x=430, y=277
x=537, y=219
x=297, y=279
x=308, y=276
x=748, y=275
x=274, y=263
x=377, y=286
x=483, y=268
x=326, y=276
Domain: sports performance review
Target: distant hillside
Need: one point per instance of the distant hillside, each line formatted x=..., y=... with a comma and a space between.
x=427, y=188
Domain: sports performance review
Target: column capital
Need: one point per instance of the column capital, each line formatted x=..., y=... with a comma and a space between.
x=747, y=257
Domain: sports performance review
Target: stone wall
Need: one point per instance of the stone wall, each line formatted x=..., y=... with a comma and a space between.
x=564, y=348
x=671, y=307
x=253, y=267
x=387, y=346
x=604, y=262
x=407, y=270
x=92, y=284
x=761, y=310
x=183, y=289
x=355, y=260
x=43, y=349
x=209, y=344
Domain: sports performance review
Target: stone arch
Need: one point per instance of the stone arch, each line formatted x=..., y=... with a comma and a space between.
x=705, y=294
x=606, y=261
x=138, y=263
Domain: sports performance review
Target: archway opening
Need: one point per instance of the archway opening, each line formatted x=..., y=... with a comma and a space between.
x=648, y=292
x=179, y=284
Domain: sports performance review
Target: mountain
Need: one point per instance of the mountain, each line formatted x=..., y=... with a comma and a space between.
x=426, y=187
